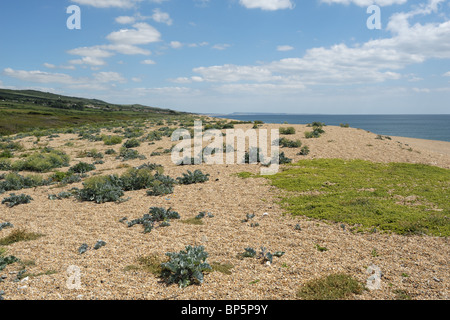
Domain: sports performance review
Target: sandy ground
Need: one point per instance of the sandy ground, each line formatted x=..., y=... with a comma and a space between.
x=417, y=265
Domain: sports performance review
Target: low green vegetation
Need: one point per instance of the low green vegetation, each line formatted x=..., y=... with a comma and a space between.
x=288, y=130
x=394, y=197
x=111, y=140
x=193, y=177
x=15, y=200
x=19, y=235
x=186, y=267
x=332, y=287
x=42, y=161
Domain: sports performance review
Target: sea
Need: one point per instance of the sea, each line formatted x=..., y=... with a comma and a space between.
x=431, y=127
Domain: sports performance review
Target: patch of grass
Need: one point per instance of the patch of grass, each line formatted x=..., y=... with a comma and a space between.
x=42, y=161
x=224, y=268
x=151, y=263
x=194, y=221
x=332, y=287
x=244, y=175
x=395, y=197
x=19, y=235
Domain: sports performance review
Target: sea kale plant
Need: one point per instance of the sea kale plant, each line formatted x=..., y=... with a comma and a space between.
x=101, y=189
x=193, y=177
x=156, y=214
x=15, y=200
x=186, y=267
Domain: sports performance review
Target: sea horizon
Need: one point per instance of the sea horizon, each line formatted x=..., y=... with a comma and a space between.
x=419, y=126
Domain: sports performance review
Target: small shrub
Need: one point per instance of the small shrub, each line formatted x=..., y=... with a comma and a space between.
x=111, y=140
x=136, y=179
x=186, y=267
x=42, y=161
x=342, y=125
x=15, y=200
x=304, y=151
x=110, y=151
x=129, y=154
x=288, y=130
x=82, y=167
x=286, y=143
x=193, y=177
x=132, y=143
x=282, y=159
x=15, y=182
x=101, y=189
x=4, y=261
x=161, y=185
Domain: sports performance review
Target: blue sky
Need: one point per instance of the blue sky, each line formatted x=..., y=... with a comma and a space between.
x=223, y=56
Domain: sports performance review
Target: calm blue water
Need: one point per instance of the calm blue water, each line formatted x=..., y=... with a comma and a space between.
x=433, y=127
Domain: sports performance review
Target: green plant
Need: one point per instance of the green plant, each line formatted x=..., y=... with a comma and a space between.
x=136, y=179
x=320, y=248
x=15, y=182
x=288, y=130
x=131, y=143
x=282, y=159
x=332, y=287
x=19, y=235
x=365, y=194
x=15, y=200
x=186, y=267
x=111, y=140
x=342, y=125
x=129, y=154
x=110, y=151
x=304, y=151
x=42, y=161
x=82, y=167
x=4, y=225
x=286, y=143
x=4, y=261
x=101, y=189
x=193, y=177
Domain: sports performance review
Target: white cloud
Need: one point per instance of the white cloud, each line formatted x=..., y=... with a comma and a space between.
x=39, y=76
x=98, y=81
x=161, y=17
x=375, y=61
x=447, y=74
x=221, y=46
x=366, y=3
x=142, y=34
x=176, y=44
x=52, y=66
x=148, y=61
x=269, y=5
x=125, y=20
x=285, y=48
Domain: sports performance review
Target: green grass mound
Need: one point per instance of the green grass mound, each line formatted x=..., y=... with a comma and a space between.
x=398, y=197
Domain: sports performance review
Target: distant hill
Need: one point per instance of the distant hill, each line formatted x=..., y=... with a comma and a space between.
x=65, y=102
x=28, y=110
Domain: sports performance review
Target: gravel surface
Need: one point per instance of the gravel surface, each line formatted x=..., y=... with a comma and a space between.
x=417, y=265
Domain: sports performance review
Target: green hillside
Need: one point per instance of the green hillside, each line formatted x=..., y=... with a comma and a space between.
x=27, y=110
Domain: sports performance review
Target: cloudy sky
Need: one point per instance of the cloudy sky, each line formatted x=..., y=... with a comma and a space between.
x=223, y=56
